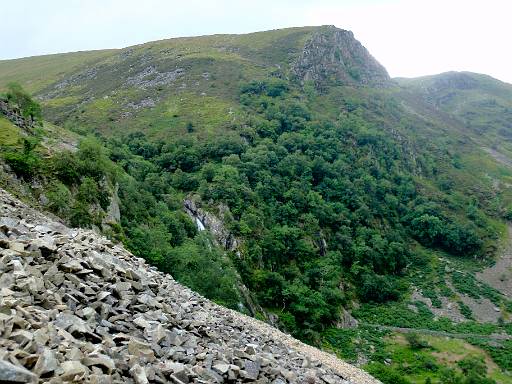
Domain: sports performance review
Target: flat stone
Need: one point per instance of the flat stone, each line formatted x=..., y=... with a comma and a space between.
x=17, y=247
x=47, y=362
x=8, y=222
x=72, y=266
x=73, y=371
x=100, y=360
x=22, y=336
x=141, y=350
x=10, y=373
x=141, y=322
x=221, y=368
x=252, y=369
x=251, y=349
x=71, y=323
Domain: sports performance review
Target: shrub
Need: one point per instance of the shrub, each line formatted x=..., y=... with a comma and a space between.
x=25, y=163
x=415, y=342
x=386, y=374
x=28, y=107
x=59, y=199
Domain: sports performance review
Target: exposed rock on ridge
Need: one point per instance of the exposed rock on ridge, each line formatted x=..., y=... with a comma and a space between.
x=334, y=56
x=76, y=307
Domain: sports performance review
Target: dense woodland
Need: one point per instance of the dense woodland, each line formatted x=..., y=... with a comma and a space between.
x=326, y=210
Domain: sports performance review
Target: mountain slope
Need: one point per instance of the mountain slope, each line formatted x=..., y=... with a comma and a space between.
x=82, y=308
x=142, y=87
x=330, y=190
x=479, y=102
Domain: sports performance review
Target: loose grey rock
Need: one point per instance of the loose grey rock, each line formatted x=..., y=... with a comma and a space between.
x=138, y=374
x=77, y=307
x=73, y=371
x=10, y=373
x=46, y=363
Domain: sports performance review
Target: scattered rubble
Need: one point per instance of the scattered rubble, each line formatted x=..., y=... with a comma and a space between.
x=148, y=102
x=151, y=77
x=75, y=307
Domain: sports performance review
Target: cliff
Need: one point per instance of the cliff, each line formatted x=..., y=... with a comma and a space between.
x=333, y=56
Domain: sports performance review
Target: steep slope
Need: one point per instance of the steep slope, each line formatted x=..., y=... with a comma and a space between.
x=340, y=197
x=37, y=72
x=482, y=104
x=77, y=307
x=334, y=57
x=161, y=86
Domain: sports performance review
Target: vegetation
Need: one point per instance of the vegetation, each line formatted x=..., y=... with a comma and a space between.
x=17, y=96
x=415, y=358
x=339, y=195
x=79, y=188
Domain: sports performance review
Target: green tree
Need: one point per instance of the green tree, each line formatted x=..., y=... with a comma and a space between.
x=29, y=107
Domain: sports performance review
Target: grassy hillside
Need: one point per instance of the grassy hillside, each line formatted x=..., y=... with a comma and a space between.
x=343, y=189
x=35, y=73
x=482, y=104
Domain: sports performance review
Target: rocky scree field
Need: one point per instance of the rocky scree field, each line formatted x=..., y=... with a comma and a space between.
x=78, y=308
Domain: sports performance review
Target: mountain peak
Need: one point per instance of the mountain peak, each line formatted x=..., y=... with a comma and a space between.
x=334, y=55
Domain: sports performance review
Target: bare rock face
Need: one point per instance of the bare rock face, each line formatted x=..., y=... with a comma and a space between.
x=15, y=116
x=74, y=307
x=207, y=220
x=333, y=56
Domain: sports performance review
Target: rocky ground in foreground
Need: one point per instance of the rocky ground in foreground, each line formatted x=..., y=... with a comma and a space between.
x=76, y=307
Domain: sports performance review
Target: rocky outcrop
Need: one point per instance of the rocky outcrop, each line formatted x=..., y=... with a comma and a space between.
x=334, y=57
x=113, y=213
x=206, y=220
x=150, y=77
x=14, y=115
x=347, y=320
x=74, y=307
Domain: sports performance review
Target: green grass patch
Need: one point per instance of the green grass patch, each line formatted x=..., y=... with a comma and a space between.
x=35, y=73
x=9, y=133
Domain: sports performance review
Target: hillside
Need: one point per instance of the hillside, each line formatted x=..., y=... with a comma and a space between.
x=285, y=175
x=78, y=308
x=481, y=104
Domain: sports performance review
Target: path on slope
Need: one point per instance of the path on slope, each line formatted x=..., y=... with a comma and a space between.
x=76, y=307
x=431, y=332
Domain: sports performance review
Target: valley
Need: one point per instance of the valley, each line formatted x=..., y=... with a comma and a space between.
x=285, y=175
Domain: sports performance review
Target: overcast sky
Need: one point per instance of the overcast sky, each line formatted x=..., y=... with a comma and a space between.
x=409, y=37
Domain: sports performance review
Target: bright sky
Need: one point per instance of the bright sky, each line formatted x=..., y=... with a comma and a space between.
x=409, y=37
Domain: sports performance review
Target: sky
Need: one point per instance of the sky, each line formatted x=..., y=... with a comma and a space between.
x=409, y=37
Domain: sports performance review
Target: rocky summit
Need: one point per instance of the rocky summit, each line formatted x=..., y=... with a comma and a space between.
x=75, y=307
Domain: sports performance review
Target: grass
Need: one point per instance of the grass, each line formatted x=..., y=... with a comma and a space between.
x=208, y=114
x=393, y=351
x=9, y=133
x=417, y=365
x=61, y=101
x=35, y=73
